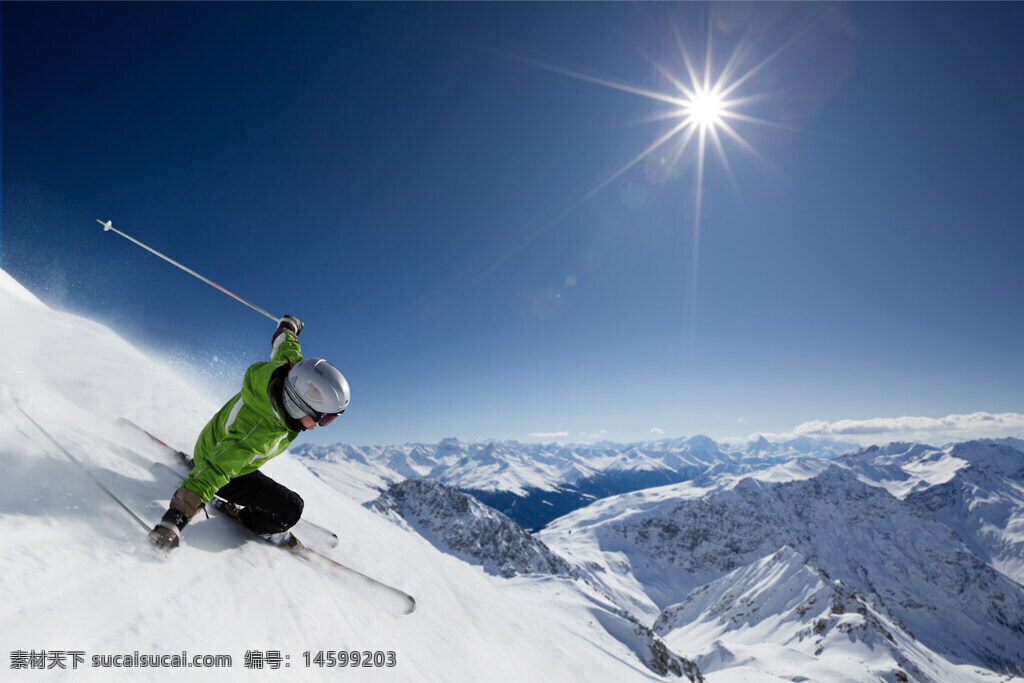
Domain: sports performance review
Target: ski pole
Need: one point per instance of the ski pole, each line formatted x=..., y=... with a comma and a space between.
x=83, y=467
x=108, y=226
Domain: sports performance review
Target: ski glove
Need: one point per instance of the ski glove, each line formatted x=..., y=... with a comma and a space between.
x=163, y=538
x=184, y=506
x=288, y=323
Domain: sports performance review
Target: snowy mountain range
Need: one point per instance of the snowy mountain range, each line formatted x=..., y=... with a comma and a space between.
x=677, y=559
x=536, y=483
x=714, y=560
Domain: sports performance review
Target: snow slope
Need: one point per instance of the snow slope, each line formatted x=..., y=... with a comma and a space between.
x=76, y=575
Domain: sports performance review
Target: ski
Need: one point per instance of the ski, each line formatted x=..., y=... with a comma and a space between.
x=401, y=600
x=396, y=597
x=305, y=526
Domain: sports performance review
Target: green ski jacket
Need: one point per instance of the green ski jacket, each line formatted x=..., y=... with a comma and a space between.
x=250, y=429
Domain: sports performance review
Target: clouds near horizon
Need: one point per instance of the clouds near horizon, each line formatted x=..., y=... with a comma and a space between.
x=548, y=435
x=949, y=428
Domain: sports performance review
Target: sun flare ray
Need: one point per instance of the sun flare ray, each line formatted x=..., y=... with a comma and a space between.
x=716, y=139
x=734, y=84
x=624, y=87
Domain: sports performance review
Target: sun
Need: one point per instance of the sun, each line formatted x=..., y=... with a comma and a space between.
x=705, y=105
x=705, y=109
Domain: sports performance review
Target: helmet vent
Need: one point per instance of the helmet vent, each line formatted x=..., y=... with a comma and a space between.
x=313, y=393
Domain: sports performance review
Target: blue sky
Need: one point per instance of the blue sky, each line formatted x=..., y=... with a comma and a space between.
x=435, y=189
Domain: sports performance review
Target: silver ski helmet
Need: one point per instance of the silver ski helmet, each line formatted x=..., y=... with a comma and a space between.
x=315, y=388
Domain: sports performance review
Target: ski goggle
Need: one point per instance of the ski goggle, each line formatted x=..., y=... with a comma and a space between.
x=324, y=420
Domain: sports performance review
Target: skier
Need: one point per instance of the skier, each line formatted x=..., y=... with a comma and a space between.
x=279, y=399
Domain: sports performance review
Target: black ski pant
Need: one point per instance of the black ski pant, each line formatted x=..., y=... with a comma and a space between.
x=269, y=507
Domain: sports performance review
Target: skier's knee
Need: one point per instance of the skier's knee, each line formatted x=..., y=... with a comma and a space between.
x=292, y=510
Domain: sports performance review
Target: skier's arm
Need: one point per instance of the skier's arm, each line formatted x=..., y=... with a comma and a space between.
x=289, y=327
x=287, y=349
x=231, y=457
